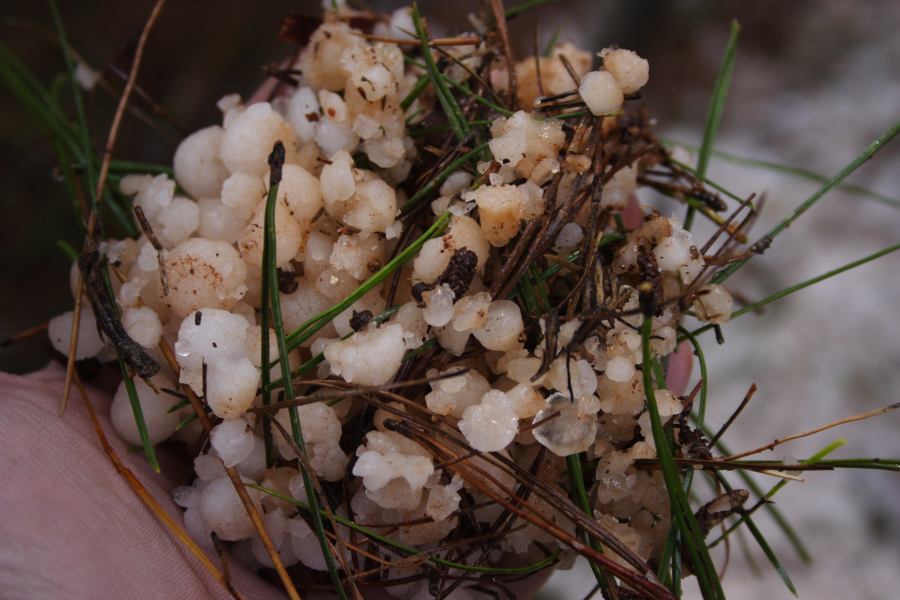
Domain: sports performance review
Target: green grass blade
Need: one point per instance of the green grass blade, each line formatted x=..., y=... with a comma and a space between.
x=309, y=329
x=716, y=108
x=799, y=172
x=682, y=515
x=446, y=99
x=789, y=532
x=804, y=284
x=127, y=379
x=272, y=302
x=437, y=180
x=581, y=499
x=857, y=162
x=763, y=543
x=815, y=458
x=83, y=128
x=518, y=9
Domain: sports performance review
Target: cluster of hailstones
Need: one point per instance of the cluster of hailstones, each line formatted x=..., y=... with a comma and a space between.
x=335, y=225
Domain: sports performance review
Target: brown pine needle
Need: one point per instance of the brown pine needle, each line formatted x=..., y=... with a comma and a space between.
x=797, y=436
x=24, y=335
x=782, y=475
x=73, y=346
x=149, y=501
x=452, y=41
x=747, y=397
x=500, y=18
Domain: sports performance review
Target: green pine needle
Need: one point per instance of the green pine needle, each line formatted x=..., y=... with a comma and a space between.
x=802, y=285
x=682, y=515
x=446, y=99
x=309, y=329
x=271, y=301
x=857, y=162
x=716, y=108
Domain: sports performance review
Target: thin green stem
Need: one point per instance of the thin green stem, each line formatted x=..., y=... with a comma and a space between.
x=716, y=108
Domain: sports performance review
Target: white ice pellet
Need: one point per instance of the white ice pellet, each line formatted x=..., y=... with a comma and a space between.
x=443, y=500
x=338, y=183
x=525, y=400
x=223, y=512
x=456, y=182
x=630, y=70
x=233, y=441
x=90, y=342
x=532, y=200
x=250, y=136
x=301, y=193
x=620, y=369
x=601, y=92
x=577, y=374
x=619, y=189
x=369, y=357
x=671, y=253
x=573, y=430
x=453, y=395
x=374, y=207
x=243, y=192
x=502, y=328
x=499, y=211
x=218, y=339
x=289, y=236
x=435, y=255
x=208, y=467
x=378, y=469
x=521, y=142
x=142, y=325
x=569, y=237
x=198, y=167
x=451, y=340
x=203, y=274
x=306, y=545
x=490, y=425
x=713, y=304
x=186, y=496
x=219, y=222
x=332, y=136
x=320, y=61
x=196, y=527
x=438, y=305
x=303, y=113
x=155, y=406
x=359, y=254
x=471, y=312
x=410, y=317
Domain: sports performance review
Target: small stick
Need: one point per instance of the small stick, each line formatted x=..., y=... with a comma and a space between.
x=23, y=335
x=734, y=415
x=154, y=241
x=500, y=18
x=452, y=41
x=797, y=436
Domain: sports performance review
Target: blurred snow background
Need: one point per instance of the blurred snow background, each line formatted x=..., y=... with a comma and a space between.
x=814, y=83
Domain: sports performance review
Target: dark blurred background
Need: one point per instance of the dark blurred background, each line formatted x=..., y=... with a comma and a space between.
x=814, y=83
